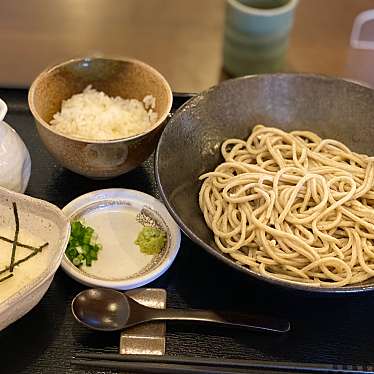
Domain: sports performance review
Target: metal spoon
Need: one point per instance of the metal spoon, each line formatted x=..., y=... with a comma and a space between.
x=109, y=310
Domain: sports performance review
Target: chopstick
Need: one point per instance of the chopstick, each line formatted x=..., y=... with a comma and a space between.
x=199, y=364
x=156, y=368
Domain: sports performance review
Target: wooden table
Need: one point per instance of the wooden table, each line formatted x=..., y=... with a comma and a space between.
x=183, y=39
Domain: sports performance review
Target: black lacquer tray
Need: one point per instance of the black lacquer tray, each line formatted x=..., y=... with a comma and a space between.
x=324, y=329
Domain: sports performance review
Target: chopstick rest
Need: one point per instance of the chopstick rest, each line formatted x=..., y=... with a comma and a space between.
x=147, y=338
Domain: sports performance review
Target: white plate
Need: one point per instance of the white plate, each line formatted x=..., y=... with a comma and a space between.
x=118, y=215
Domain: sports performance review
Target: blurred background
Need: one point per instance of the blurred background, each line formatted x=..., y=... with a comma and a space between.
x=182, y=39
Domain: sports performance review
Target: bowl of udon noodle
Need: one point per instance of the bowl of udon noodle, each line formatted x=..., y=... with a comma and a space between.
x=276, y=179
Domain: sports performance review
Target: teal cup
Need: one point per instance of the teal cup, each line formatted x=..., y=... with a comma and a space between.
x=256, y=35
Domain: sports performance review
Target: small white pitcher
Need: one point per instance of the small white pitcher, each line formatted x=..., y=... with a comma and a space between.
x=15, y=161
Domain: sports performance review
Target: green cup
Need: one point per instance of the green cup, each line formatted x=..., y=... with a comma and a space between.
x=256, y=35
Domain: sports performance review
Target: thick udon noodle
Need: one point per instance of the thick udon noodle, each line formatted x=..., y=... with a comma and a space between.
x=293, y=206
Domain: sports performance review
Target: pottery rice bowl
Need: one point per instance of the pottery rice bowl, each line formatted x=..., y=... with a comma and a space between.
x=106, y=144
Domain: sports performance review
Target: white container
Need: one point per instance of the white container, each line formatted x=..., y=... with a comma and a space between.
x=15, y=161
x=47, y=222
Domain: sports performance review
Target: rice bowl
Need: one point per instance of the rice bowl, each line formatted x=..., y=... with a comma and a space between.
x=125, y=78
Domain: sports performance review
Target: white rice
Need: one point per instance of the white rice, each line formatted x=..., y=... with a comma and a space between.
x=95, y=115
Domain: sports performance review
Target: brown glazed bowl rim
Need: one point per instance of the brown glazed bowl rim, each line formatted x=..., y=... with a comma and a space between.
x=54, y=67
x=328, y=291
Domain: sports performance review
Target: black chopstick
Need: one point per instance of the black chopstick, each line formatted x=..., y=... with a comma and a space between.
x=152, y=367
x=96, y=359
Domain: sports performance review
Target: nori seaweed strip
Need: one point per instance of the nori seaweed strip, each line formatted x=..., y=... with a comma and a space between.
x=39, y=249
x=32, y=254
x=7, y=277
x=21, y=244
x=11, y=266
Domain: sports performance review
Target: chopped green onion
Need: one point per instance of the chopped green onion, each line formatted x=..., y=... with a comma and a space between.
x=82, y=248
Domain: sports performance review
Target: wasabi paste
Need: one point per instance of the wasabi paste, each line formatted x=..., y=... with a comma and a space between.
x=151, y=240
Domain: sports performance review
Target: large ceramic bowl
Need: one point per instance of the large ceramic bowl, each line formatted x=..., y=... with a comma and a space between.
x=46, y=222
x=333, y=108
x=126, y=78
